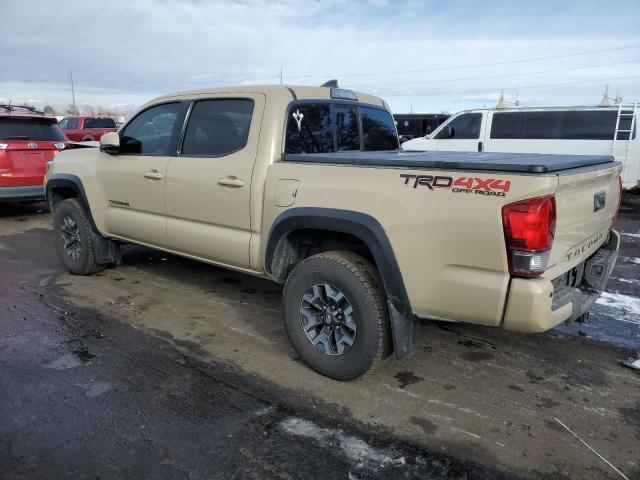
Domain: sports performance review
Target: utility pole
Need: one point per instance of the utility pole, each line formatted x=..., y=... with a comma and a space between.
x=73, y=95
x=280, y=75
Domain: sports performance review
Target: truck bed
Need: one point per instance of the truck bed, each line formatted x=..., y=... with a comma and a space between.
x=501, y=162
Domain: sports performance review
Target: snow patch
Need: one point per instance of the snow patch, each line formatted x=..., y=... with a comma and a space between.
x=634, y=235
x=635, y=260
x=355, y=449
x=626, y=280
x=626, y=303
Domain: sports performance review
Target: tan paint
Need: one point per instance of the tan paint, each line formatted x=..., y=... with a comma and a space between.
x=449, y=246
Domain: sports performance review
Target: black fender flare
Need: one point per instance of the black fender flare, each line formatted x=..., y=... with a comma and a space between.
x=107, y=251
x=67, y=181
x=405, y=327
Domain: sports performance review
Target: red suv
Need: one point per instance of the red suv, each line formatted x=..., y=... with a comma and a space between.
x=83, y=129
x=28, y=140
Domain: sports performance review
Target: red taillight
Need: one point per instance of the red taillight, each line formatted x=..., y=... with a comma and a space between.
x=615, y=215
x=529, y=228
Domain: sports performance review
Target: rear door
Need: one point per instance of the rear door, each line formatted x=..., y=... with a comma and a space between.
x=29, y=143
x=208, y=184
x=465, y=134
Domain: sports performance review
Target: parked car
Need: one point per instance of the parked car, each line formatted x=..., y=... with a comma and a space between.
x=607, y=130
x=28, y=140
x=306, y=186
x=87, y=129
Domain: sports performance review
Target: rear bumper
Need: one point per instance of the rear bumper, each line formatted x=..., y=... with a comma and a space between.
x=537, y=305
x=35, y=192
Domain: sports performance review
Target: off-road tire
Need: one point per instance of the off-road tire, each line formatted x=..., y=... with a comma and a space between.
x=85, y=264
x=358, y=279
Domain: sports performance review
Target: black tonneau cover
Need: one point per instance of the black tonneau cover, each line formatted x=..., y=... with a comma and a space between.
x=501, y=162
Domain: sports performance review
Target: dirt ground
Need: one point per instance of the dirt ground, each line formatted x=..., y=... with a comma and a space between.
x=167, y=368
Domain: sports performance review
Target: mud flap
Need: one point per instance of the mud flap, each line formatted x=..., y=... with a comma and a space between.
x=106, y=251
x=406, y=333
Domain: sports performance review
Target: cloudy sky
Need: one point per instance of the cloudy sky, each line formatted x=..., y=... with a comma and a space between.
x=428, y=56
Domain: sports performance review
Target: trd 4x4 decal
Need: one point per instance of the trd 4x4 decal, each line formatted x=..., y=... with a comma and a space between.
x=474, y=185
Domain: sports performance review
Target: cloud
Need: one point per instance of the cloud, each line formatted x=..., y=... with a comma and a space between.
x=128, y=52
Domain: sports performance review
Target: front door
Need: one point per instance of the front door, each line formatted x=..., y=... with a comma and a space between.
x=463, y=134
x=208, y=184
x=133, y=180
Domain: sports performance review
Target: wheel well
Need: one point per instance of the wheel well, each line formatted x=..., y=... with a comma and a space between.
x=305, y=242
x=58, y=194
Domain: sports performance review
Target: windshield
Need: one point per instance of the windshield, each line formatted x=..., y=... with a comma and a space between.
x=30, y=129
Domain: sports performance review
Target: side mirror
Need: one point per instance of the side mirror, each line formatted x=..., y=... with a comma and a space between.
x=446, y=132
x=110, y=143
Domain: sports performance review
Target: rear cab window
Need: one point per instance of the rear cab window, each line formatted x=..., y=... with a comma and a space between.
x=324, y=127
x=99, y=123
x=29, y=128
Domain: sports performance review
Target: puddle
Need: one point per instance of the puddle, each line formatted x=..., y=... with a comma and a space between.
x=95, y=389
x=68, y=360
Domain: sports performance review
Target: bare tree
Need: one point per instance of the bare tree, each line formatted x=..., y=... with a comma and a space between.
x=71, y=110
x=49, y=110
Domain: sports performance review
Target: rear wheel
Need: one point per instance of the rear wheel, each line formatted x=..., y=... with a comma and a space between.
x=87, y=139
x=72, y=232
x=335, y=314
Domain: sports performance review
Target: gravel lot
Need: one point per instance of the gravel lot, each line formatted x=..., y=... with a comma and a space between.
x=168, y=368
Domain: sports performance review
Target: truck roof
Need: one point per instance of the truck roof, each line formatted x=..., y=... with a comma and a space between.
x=501, y=162
x=287, y=92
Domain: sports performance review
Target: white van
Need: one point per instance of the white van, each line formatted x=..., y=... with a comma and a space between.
x=590, y=130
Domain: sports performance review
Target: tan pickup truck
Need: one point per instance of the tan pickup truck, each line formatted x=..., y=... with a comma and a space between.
x=306, y=186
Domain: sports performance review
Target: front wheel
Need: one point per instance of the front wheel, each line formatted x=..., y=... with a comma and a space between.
x=335, y=314
x=72, y=232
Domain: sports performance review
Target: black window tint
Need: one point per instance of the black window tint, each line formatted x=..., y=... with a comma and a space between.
x=150, y=132
x=466, y=126
x=541, y=125
x=309, y=129
x=593, y=125
x=347, y=128
x=218, y=127
x=506, y=125
x=30, y=129
x=378, y=130
x=107, y=123
x=91, y=123
x=72, y=123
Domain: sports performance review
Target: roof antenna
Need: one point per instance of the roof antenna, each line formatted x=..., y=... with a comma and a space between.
x=330, y=84
x=606, y=101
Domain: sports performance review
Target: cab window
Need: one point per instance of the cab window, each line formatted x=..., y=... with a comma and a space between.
x=309, y=129
x=217, y=127
x=347, y=128
x=150, y=132
x=378, y=130
x=465, y=126
x=72, y=123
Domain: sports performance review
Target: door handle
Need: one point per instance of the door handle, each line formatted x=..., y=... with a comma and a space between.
x=153, y=175
x=231, y=181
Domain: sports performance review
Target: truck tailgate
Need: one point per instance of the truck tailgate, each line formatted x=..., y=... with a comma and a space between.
x=586, y=204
